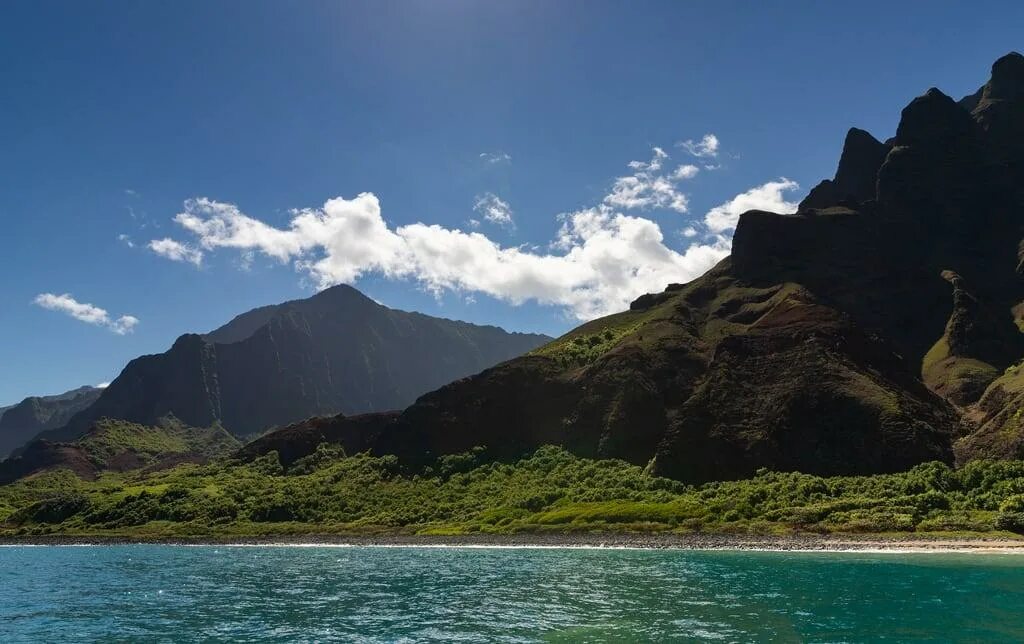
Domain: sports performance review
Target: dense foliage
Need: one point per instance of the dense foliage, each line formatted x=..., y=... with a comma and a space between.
x=551, y=490
x=589, y=342
x=108, y=439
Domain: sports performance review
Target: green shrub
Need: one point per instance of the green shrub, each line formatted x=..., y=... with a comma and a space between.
x=550, y=489
x=55, y=509
x=1013, y=503
x=275, y=508
x=1010, y=521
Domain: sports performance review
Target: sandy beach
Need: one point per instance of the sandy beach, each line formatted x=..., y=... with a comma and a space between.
x=793, y=543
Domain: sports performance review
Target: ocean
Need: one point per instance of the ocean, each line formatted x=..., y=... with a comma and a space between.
x=162, y=593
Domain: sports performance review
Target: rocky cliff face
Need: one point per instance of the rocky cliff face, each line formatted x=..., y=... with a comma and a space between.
x=22, y=422
x=337, y=351
x=876, y=328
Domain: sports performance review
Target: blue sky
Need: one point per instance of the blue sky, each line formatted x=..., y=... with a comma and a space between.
x=117, y=117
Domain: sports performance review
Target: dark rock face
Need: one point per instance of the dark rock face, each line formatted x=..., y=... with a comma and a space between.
x=856, y=177
x=858, y=167
x=866, y=333
x=22, y=422
x=337, y=351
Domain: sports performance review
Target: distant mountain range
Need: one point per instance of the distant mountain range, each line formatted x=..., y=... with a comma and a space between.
x=22, y=422
x=877, y=328
x=335, y=352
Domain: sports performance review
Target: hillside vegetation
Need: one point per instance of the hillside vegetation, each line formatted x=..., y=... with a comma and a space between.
x=550, y=490
x=119, y=446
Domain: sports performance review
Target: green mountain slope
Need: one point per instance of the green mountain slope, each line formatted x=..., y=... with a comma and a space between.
x=119, y=446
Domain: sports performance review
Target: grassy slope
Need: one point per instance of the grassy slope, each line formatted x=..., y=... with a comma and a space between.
x=584, y=345
x=549, y=491
x=732, y=309
x=1000, y=416
x=108, y=438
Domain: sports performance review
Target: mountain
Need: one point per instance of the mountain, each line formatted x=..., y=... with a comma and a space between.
x=338, y=351
x=876, y=328
x=22, y=422
x=119, y=446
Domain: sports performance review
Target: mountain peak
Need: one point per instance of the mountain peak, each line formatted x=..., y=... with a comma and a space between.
x=336, y=351
x=343, y=293
x=855, y=177
x=932, y=119
x=1007, y=81
x=246, y=324
x=858, y=167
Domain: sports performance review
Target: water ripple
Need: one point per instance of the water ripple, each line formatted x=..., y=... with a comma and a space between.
x=282, y=594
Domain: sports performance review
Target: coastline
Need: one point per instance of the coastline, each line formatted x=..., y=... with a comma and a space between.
x=789, y=543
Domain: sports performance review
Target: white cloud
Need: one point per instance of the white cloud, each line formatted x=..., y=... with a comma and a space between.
x=103, y=385
x=606, y=259
x=495, y=157
x=175, y=250
x=494, y=210
x=600, y=259
x=126, y=240
x=768, y=196
x=687, y=171
x=87, y=313
x=706, y=147
x=647, y=188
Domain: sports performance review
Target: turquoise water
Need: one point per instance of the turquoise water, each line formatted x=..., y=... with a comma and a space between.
x=287, y=594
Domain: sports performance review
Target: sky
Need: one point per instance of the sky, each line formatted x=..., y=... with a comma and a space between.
x=166, y=166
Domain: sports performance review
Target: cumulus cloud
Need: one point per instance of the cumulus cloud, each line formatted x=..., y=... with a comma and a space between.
x=176, y=251
x=494, y=209
x=706, y=147
x=605, y=258
x=601, y=258
x=495, y=157
x=768, y=196
x=687, y=171
x=649, y=188
x=84, y=312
